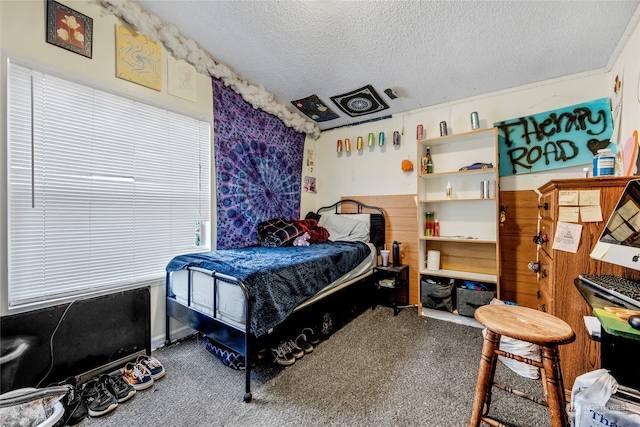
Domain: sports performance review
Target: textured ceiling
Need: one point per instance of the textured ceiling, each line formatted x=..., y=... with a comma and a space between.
x=430, y=52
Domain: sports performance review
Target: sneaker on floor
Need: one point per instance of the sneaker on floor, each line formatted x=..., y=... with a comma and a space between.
x=153, y=365
x=117, y=386
x=294, y=349
x=311, y=336
x=75, y=408
x=282, y=355
x=304, y=344
x=137, y=375
x=99, y=400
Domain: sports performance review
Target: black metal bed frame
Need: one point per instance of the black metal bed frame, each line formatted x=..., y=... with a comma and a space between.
x=238, y=340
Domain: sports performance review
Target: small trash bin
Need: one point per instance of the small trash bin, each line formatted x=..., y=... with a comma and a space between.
x=436, y=293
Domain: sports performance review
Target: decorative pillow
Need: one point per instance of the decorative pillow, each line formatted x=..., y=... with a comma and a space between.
x=345, y=227
x=313, y=215
x=277, y=232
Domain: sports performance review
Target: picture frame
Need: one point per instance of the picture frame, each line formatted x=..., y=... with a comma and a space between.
x=69, y=29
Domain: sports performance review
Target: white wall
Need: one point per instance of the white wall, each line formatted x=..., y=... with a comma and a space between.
x=627, y=67
x=22, y=36
x=377, y=171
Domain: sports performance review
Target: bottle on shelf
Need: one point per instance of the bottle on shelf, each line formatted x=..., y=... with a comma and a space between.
x=427, y=162
x=436, y=228
x=604, y=163
x=449, y=190
x=396, y=253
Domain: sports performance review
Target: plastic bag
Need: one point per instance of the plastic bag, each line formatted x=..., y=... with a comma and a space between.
x=30, y=407
x=592, y=404
x=520, y=348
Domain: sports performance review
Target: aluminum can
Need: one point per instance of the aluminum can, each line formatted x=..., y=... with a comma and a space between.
x=443, y=128
x=475, y=122
x=484, y=189
x=419, y=132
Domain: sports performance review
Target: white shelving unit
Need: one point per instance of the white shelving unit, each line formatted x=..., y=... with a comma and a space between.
x=469, y=224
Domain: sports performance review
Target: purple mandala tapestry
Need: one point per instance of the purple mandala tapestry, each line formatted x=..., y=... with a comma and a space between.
x=258, y=168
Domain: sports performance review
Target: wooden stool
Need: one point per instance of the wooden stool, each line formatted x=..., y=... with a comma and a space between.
x=531, y=326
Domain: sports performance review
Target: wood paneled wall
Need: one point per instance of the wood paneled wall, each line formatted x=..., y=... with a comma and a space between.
x=517, y=249
x=517, y=282
x=401, y=217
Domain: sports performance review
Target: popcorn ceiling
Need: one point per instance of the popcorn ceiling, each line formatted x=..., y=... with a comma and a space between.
x=150, y=25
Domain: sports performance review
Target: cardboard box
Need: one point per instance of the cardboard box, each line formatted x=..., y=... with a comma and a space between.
x=468, y=300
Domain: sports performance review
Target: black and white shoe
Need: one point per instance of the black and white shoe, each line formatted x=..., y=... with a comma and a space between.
x=310, y=336
x=75, y=408
x=117, y=386
x=294, y=349
x=282, y=355
x=304, y=344
x=99, y=400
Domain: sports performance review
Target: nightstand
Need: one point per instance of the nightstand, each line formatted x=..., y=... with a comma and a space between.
x=392, y=278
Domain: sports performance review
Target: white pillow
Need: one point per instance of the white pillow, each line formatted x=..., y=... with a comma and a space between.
x=347, y=227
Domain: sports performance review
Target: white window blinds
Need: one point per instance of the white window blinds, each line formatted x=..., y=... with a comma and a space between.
x=103, y=190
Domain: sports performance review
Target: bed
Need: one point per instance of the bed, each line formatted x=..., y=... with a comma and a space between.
x=238, y=296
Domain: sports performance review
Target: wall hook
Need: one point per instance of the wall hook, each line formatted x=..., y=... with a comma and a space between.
x=503, y=213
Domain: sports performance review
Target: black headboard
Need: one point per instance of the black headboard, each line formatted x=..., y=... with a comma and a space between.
x=377, y=226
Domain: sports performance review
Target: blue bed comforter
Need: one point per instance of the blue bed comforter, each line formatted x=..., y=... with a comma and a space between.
x=279, y=279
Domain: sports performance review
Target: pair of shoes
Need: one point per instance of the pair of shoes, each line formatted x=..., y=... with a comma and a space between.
x=137, y=375
x=293, y=348
x=311, y=336
x=153, y=365
x=282, y=355
x=75, y=408
x=118, y=387
x=303, y=342
x=98, y=398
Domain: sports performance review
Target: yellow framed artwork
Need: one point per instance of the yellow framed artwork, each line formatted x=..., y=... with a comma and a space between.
x=138, y=59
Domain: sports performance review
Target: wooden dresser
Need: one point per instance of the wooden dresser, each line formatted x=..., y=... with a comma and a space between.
x=557, y=293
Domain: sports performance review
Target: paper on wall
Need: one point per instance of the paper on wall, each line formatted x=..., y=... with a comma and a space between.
x=590, y=213
x=568, y=213
x=568, y=198
x=567, y=237
x=589, y=197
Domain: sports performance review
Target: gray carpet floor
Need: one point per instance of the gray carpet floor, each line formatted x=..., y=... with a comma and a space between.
x=377, y=370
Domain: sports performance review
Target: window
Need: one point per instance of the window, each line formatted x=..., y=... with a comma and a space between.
x=103, y=190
